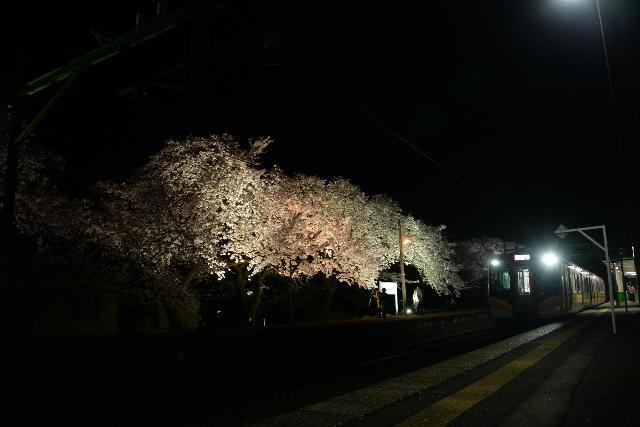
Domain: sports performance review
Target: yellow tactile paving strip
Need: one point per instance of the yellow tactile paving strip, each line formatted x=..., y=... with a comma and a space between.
x=448, y=409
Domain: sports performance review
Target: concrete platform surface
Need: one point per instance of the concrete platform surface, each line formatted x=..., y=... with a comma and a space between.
x=571, y=372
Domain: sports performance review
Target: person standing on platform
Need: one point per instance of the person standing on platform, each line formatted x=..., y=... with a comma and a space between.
x=377, y=296
x=417, y=300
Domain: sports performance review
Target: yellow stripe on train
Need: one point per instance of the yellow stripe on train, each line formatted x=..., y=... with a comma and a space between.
x=551, y=302
x=500, y=304
x=551, y=306
x=500, y=308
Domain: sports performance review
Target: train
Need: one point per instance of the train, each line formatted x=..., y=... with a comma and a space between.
x=540, y=285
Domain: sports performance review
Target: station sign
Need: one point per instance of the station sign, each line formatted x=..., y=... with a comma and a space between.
x=522, y=257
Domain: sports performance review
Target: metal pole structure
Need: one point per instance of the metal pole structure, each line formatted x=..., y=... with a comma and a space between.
x=404, y=288
x=630, y=226
x=562, y=231
x=606, y=252
x=624, y=285
x=488, y=293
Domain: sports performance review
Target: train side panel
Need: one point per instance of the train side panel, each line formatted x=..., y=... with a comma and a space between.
x=525, y=287
x=586, y=289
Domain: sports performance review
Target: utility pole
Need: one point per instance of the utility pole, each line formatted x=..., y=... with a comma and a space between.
x=624, y=285
x=630, y=225
x=606, y=253
x=7, y=214
x=404, y=288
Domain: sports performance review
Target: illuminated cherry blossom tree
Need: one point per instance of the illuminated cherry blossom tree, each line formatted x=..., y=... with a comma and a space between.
x=473, y=255
x=204, y=206
x=326, y=227
x=181, y=214
x=432, y=254
x=41, y=210
x=361, y=228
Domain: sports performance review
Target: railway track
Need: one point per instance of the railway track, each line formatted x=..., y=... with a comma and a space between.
x=250, y=403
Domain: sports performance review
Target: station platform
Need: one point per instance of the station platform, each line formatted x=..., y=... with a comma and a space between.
x=569, y=372
x=147, y=379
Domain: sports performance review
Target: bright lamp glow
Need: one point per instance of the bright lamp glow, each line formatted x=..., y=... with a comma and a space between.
x=408, y=311
x=549, y=259
x=495, y=262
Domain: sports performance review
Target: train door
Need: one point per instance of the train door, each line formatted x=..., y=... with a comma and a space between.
x=523, y=299
x=566, y=290
x=500, y=293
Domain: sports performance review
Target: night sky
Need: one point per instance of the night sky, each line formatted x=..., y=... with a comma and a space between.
x=512, y=96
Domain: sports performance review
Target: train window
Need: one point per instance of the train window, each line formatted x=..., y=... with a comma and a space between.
x=523, y=282
x=499, y=280
x=506, y=280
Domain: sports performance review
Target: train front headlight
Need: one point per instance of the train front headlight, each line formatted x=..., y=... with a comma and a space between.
x=550, y=259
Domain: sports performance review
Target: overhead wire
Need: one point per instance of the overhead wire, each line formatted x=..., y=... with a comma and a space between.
x=417, y=149
x=399, y=137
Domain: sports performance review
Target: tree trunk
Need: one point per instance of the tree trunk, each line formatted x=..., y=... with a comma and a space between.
x=257, y=296
x=291, y=282
x=191, y=274
x=331, y=284
x=241, y=290
x=178, y=321
x=126, y=319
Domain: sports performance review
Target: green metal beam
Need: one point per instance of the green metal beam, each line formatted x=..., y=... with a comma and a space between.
x=47, y=107
x=141, y=35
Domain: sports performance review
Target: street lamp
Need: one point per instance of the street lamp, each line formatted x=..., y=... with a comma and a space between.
x=404, y=240
x=494, y=262
x=550, y=259
x=562, y=231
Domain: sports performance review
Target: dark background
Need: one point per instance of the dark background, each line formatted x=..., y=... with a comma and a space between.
x=511, y=96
